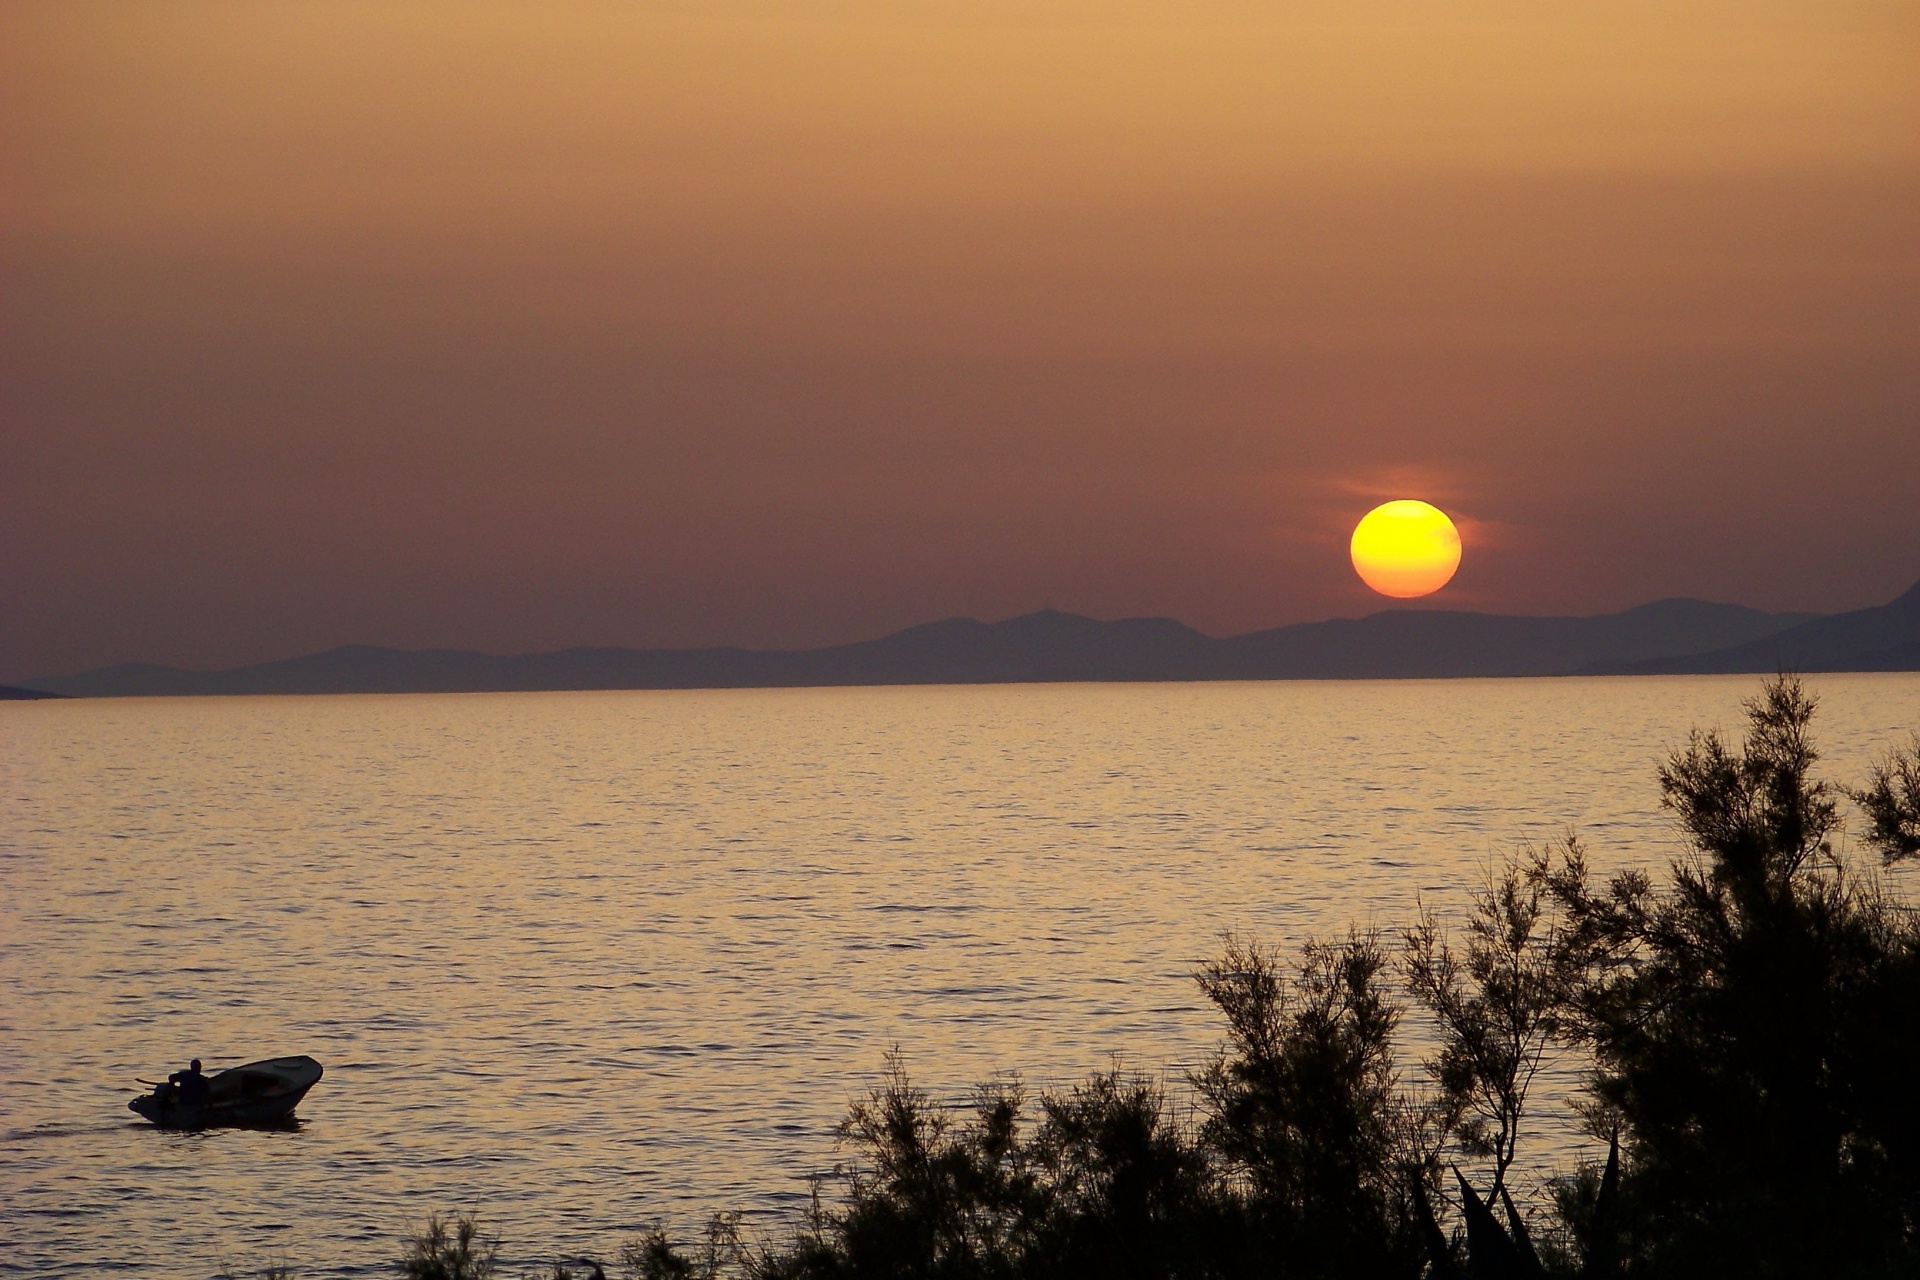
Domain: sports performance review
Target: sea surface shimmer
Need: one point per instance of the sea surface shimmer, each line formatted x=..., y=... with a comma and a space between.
x=584, y=962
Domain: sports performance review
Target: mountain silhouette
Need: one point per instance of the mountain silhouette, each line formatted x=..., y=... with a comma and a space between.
x=1883, y=638
x=1048, y=646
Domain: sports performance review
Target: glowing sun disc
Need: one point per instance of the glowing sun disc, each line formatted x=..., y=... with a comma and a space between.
x=1405, y=549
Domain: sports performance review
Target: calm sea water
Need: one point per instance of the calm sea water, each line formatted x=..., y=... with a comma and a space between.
x=584, y=962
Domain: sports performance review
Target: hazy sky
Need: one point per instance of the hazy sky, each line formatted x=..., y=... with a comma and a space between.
x=518, y=326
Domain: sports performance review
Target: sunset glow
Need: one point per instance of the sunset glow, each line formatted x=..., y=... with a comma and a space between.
x=1405, y=549
x=523, y=327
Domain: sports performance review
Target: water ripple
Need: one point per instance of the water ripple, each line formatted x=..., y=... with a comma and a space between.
x=588, y=961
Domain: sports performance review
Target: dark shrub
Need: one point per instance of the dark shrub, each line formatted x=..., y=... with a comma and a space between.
x=1305, y=1112
x=1749, y=1020
x=449, y=1249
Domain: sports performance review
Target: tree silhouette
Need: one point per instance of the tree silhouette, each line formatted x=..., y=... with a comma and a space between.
x=1743, y=1018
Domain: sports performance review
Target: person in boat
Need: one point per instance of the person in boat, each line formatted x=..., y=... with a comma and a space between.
x=190, y=1087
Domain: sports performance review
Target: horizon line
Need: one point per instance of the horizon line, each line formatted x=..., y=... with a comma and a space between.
x=1043, y=611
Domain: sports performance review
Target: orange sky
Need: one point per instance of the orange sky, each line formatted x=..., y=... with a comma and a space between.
x=518, y=326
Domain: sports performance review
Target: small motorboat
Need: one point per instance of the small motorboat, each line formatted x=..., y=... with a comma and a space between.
x=259, y=1093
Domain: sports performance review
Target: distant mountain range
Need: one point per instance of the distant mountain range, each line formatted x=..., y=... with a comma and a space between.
x=1679, y=636
x=1883, y=638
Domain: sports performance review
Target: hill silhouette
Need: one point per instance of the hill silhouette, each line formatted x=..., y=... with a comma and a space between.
x=1048, y=646
x=1883, y=638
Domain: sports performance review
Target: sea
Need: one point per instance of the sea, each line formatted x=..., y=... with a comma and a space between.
x=583, y=963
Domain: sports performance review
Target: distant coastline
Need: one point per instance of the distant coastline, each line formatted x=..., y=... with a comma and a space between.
x=1677, y=636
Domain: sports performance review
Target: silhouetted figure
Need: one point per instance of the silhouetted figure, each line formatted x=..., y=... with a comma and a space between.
x=192, y=1089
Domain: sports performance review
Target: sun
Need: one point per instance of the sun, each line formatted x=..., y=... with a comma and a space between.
x=1405, y=549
